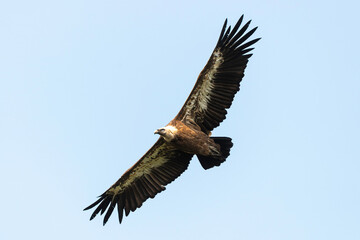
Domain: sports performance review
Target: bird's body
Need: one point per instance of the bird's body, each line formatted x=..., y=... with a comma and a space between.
x=189, y=139
x=189, y=133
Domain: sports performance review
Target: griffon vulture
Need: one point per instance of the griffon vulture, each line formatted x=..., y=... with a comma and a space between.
x=189, y=132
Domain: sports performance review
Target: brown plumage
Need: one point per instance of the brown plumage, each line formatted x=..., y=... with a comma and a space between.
x=189, y=132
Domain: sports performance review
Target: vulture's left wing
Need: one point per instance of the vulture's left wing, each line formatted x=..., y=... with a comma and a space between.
x=220, y=79
x=161, y=165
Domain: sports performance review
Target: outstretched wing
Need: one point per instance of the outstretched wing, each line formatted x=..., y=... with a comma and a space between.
x=220, y=80
x=158, y=167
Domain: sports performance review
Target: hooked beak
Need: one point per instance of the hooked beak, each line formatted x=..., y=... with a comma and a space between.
x=159, y=131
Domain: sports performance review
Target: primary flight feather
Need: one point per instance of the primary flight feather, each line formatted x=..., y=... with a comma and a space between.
x=189, y=132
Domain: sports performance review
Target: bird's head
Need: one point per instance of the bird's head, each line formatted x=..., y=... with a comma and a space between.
x=168, y=132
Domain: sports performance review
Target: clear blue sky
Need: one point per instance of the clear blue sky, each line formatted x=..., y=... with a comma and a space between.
x=83, y=85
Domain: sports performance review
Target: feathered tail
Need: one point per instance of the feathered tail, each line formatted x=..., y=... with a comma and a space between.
x=211, y=161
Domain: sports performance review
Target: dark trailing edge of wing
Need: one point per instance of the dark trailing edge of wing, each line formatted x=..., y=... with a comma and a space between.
x=224, y=70
x=136, y=191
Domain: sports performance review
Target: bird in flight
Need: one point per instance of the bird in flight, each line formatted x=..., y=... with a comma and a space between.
x=189, y=133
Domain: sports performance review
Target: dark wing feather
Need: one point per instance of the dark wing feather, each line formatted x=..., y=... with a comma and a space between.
x=161, y=165
x=220, y=80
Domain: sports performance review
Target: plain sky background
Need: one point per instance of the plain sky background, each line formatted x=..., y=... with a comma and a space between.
x=83, y=85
